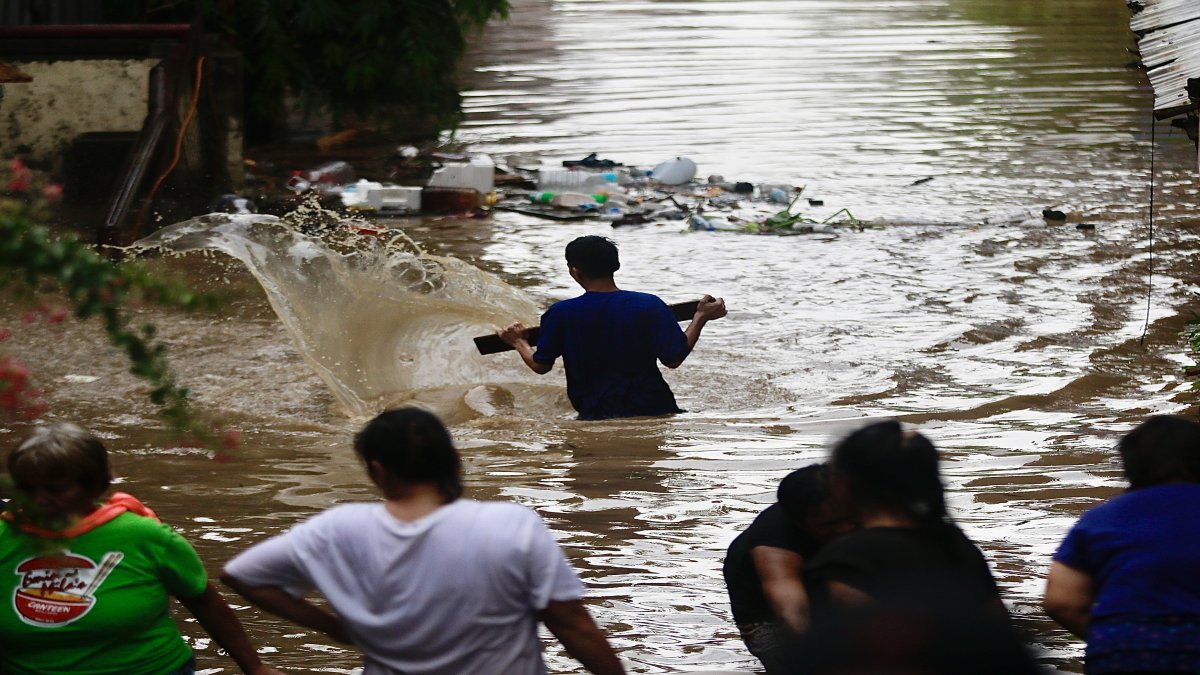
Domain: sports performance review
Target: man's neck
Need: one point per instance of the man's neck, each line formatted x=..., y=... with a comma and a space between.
x=605, y=285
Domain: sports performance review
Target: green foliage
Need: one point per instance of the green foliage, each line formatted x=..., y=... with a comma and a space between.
x=786, y=220
x=33, y=261
x=1191, y=331
x=389, y=61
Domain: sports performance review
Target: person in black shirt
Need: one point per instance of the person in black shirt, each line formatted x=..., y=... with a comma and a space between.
x=764, y=565
x=908, y=592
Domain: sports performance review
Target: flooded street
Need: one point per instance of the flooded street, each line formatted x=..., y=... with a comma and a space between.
x=1013, y=343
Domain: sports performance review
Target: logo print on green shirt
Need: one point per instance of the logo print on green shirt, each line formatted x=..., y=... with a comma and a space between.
x=59, y=588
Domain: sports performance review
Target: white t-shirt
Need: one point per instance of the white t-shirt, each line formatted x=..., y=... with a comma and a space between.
x=455, y=592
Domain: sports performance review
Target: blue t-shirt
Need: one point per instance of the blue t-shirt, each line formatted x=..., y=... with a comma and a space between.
x=610, y=343
x=1142, y=549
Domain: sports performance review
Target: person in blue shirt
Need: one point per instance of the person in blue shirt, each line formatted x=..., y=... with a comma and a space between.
x=1125, y=577
x=611, y=340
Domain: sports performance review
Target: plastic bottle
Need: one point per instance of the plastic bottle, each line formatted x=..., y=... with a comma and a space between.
x=449, y=199
x=330, y=173
x=565, y=180
x=739, y=187
x=612, y=214
x=617, y=176
x=573, y=200
x=609, y=188
x=780, y=193
x=611, y=198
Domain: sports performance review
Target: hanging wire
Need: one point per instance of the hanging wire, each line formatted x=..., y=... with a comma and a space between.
x=1150, y=274
x=187, y=119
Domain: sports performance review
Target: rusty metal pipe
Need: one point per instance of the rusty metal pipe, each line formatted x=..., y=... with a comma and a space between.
x=147, y=142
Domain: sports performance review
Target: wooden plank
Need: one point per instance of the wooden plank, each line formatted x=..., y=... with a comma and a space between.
x=492, y=344
x=560, y=214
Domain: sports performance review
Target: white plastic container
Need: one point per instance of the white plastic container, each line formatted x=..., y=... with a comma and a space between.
x=394, y=199
x=674, y=171
x=479, y=173
x=354, y=195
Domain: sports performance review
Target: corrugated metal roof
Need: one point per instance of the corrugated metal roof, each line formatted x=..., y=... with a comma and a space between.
x=1169, y=43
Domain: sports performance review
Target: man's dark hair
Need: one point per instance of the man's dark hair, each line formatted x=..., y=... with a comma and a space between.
x=803, y=490
x=593, y=255
x=415, y=446
x=1163, y=449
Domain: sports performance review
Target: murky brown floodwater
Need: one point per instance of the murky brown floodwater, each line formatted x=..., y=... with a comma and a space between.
x=1014, y=346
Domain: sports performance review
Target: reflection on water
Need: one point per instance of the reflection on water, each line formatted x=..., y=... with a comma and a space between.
x=1014, y=347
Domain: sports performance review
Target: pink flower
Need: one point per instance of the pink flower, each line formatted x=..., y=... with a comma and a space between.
x=18, y=184
x=16, y=166
x=52, y=192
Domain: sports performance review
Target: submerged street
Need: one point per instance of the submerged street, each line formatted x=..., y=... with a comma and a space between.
x=1014, y=343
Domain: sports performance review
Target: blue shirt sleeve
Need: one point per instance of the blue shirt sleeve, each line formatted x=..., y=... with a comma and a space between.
x=1073, y=551
x=670, y=343
x=550, y=338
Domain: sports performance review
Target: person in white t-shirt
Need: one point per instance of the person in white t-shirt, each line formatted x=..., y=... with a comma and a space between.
x=425, y=581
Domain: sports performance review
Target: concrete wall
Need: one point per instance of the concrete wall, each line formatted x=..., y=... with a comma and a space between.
x=69, y=98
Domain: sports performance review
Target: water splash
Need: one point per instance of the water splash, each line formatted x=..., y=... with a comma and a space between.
x=375, y=316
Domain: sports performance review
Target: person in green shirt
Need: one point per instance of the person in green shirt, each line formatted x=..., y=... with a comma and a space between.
x=90, y=581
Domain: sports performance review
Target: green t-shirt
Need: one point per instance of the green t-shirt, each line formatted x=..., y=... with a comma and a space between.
x=95, y=604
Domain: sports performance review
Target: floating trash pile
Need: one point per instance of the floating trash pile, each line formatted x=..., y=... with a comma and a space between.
x=670, y=192
x=592, y=188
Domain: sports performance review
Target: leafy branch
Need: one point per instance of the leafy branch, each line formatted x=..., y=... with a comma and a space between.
x=32, y=261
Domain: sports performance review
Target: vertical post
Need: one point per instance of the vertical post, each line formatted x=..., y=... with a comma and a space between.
x=141, y=154
x=1193, y=92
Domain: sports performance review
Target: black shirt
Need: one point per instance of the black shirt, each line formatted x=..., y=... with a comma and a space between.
x=891, y=563
x=935, y=607
x=773, y=527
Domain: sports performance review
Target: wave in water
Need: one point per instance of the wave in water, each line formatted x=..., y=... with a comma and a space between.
x=375, y=316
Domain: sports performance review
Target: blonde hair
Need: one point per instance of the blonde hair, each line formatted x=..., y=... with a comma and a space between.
x=62, y=450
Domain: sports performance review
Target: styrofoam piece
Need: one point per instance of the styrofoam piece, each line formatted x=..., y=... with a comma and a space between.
x=478, y=173
x=394, y=199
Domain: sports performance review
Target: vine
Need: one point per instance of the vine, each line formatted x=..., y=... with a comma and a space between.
x=33, y=261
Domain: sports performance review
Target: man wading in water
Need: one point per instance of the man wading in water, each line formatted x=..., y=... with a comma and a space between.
x=610, y=339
